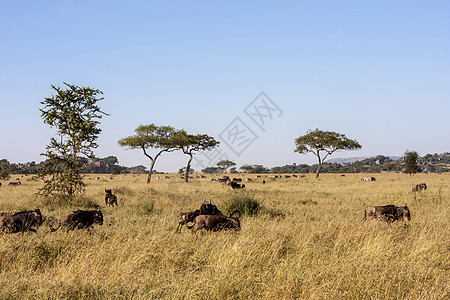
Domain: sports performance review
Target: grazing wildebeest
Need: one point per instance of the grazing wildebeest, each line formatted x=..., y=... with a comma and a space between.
x=368, y=179
x=21, y=221
x=80, y=219
x=263, y=181
x=214, y=223
x=248, y=179
x=294, y=175
x=237, y=179
x=287, y=176
x=187, y=217
x=388, y=213
x=15, y=183
x=235, y=185
x=420, y=187
x=110, y=199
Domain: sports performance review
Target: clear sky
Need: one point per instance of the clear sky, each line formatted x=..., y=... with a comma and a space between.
x=377, y=71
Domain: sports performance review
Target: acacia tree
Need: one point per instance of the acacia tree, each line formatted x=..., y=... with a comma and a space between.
x=151, y=136
x=411, y=162
x=323, y=144
x=225, y=164
x=75, y=115
x=190, y=143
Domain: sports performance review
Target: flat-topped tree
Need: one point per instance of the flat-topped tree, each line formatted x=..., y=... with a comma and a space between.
x=226, y=164
x=151, y=137
x=325, y=143
x=190, y=143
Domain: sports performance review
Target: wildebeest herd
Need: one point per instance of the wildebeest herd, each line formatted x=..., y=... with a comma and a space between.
x=208, y=217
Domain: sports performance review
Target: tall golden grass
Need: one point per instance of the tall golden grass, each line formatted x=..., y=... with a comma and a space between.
x=315, y=246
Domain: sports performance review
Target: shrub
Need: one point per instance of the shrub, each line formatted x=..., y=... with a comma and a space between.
x=242, y=205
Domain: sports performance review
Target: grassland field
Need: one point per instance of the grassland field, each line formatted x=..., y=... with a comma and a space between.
x=309, y=241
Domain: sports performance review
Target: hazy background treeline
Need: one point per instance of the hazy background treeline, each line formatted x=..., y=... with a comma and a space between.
x=430, y=163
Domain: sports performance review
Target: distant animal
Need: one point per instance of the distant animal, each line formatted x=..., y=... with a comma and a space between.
x=294, y=175
x=237, y=179
x=420, y=187
x=263, y=181
x=235, y=185
x=0, y=184
x=187, y=217
x=80, y=219
x=15, y=183
x=342, y=175
x=287, y=176
x=248, y=179
x=21, y=221
x=214, y=223
x=166, y=177
x=388, y=213
x=368, y=179
x=110, y=199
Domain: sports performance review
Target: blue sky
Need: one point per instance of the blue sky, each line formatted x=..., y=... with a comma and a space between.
x=377, y=71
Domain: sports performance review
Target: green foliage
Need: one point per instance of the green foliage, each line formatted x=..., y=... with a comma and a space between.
x=242, y=205
x=5, y=168
x=225, y=164
x=318, y=141
x=254, y=169
x=75, y=115
x=163, y=138
x=191, y=143
x=411, y=162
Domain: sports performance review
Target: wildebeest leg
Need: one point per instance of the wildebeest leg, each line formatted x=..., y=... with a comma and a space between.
x=180, y=224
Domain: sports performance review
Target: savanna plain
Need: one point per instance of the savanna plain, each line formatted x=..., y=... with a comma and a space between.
x=308, y=240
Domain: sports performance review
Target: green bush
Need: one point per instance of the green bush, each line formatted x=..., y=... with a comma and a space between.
x=242, y=205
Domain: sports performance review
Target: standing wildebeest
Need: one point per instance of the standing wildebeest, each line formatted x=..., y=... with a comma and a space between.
x=15, y=183
x=110, y=199
x=388, y=212
x=80, y=219
x=21, y=221
x=368, y=179
x=237, y=180
x=214, y=223
x=420, y=187
x=235, y=185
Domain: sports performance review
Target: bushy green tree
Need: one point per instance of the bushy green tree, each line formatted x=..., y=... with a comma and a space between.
x=226, y=164
x=323, y=144
x=5, y=168
x=411, y=159
x=75, y=115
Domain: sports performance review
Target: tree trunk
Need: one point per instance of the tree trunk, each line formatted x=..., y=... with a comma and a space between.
x=319, y=166
x=188, y=167
x=149, y=178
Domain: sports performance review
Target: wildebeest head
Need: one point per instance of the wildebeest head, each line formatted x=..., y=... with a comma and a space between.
x=403, y=213
x=98, y=217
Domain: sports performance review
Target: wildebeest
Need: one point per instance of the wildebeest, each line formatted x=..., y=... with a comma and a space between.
x=235, y=185
x=420, y=187
x=80, y=219
x=237, y=179
x=368, y=179
x=21, y=221
x=209, y=209
x=388, y=213
x=15, y=183
x=187, y=217
x=110, y=199
x=214, y=223
x=205, y=209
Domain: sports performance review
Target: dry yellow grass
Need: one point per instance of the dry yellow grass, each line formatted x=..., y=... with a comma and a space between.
x=320, y=249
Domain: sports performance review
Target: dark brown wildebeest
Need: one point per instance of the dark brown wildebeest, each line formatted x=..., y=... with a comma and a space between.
x=209, y=209
x=205, y=209
x=15, y=183
x=420, y=187
x=214, y=223
x=388, y=213
x=235, y=185
x=110, y=199
x=80, y=219
x=21, y=221
x=237, y=180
